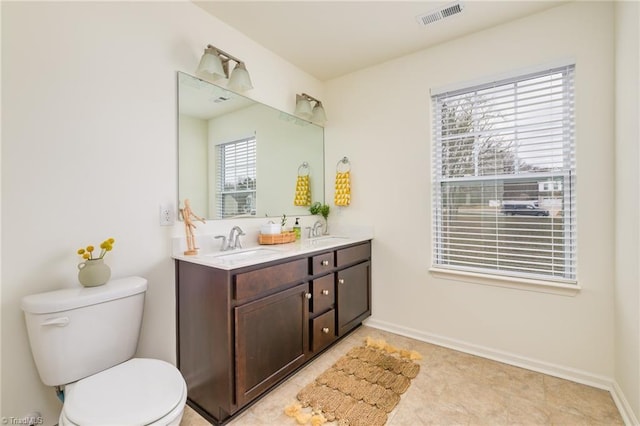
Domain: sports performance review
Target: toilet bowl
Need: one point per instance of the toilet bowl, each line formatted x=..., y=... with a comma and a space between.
x=83, y=341
x=137, y=392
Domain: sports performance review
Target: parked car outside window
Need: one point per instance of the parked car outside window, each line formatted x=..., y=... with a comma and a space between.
x=526, y=209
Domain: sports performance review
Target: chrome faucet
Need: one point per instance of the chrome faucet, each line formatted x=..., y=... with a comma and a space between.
x=223, y=247
x=316, y=230
x=233, y=242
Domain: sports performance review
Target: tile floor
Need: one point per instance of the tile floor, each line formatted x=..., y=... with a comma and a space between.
x=451, y=388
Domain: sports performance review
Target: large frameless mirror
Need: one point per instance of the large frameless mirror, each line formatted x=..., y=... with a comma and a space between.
x=240, y=158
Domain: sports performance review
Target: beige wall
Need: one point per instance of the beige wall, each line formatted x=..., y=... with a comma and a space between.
x=381, y=120
x=627, y=266
x=89, y=150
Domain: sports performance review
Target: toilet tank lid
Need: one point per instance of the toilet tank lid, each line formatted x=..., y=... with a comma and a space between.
x=77, y=297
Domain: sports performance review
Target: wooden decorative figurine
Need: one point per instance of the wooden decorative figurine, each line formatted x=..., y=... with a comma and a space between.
x=187, y=215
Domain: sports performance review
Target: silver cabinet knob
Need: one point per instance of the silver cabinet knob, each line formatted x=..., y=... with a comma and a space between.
x=325, y=330
x=325, y=292
x=307, y=295
x=325, y=263
x=341, y=281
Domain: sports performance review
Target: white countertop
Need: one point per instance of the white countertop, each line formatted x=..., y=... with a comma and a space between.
x=257, y=254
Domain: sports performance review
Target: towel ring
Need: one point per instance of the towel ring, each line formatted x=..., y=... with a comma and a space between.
x=346, y=164
x=304, y=166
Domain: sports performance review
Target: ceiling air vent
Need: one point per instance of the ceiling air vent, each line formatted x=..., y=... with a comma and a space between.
x=440, y=13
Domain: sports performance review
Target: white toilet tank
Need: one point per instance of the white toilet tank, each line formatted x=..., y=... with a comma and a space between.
x=77, y=332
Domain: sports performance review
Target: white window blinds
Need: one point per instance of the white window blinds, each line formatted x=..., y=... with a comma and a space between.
x=236, y=178
x=504, y=177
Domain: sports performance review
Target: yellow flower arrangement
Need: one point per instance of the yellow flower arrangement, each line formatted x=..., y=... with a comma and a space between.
x=105, y=246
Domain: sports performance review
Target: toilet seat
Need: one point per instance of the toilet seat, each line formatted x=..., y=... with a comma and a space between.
x=137, y=392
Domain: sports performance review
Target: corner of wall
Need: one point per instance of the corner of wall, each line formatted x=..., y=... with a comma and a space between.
x=627, y=208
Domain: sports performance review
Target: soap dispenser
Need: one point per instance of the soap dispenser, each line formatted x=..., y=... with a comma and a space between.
x=297, y=229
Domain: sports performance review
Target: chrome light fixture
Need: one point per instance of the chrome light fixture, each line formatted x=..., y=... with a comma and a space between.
x=304, y=110
x=214, y=65
x=210, y=65
x=303, y=107
x=239, y=80
x=319, y=116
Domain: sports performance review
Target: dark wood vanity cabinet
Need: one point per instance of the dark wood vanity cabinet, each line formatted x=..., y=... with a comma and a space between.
x=240, y=332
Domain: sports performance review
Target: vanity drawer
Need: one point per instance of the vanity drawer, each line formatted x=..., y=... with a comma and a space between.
x=323, y=330
x=254, y=283
x=321, y=263
x=323, y=293
x=353, y=254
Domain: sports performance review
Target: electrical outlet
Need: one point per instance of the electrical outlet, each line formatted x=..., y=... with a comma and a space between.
x=167, y=214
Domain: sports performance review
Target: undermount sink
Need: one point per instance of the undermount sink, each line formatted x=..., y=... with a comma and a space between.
x=326, y=240
x=243, y=255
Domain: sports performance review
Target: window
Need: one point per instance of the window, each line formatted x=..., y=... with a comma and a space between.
x=504, y=177
x=236, y=188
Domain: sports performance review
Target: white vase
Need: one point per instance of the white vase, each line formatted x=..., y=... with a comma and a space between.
x=93, y=272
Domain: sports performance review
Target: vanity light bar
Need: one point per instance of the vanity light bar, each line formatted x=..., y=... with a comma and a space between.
x=214, y=65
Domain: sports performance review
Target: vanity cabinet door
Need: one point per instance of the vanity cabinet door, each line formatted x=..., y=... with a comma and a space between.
x=353, y=292
x=271, y=336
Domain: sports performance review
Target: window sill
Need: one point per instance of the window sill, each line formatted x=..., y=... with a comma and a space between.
x=539, y=286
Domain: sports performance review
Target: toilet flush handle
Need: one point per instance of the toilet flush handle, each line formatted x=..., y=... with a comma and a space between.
x=60, y=321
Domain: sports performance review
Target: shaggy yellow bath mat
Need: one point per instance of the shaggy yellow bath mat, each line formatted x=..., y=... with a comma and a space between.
x=359, y=389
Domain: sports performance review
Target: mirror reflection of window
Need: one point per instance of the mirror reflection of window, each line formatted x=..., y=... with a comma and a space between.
x=236, y=177
x=209, y=116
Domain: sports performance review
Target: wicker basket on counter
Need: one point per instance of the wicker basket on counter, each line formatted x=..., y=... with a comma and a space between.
x=281, y=238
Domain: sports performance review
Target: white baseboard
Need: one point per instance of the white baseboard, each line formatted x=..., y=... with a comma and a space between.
x=623, y=406
x=555, y=370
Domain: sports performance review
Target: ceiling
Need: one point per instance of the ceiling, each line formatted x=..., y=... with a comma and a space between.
x=328, y=39
x=201, y=99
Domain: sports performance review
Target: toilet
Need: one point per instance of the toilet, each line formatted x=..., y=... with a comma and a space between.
x=83, y=341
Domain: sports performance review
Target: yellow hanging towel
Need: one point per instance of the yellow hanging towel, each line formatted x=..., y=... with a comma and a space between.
x=303, y=192
x=342, y=195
